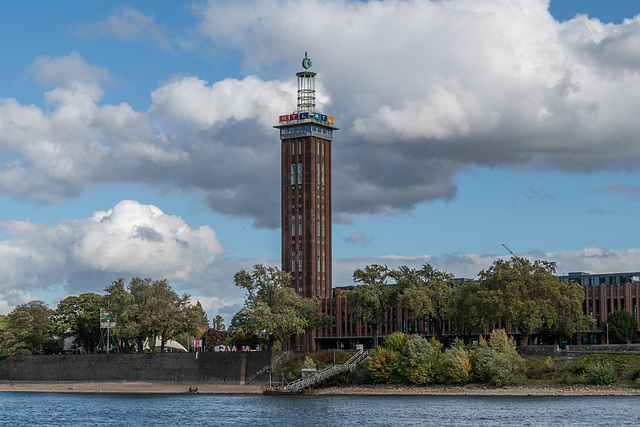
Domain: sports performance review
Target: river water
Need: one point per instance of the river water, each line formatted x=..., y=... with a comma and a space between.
x=45, y=409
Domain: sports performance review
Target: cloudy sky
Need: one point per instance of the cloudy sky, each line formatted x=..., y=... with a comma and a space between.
x=136, y=138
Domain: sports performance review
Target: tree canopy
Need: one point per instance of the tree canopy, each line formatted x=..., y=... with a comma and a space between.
x=27, y=329
x=622, y=327
x=531, y=297
x=372, y=296
x=148, y=309
x=272, y=308
x=78, y=316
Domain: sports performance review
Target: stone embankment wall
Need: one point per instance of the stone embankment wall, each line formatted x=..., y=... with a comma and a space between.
x=537, y=350
x=227, y=367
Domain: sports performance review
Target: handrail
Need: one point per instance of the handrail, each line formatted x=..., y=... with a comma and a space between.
x=271, y=367
x=328, y=372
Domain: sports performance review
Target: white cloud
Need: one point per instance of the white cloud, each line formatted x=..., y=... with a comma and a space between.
x=192, y=100
x=85, y=255
x=421, y=91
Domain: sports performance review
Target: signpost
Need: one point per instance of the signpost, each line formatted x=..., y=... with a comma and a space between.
x=107, y=321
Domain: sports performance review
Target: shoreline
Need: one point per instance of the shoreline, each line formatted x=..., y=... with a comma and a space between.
x=150, y=388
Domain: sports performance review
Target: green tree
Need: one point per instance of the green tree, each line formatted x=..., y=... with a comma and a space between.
x=372, y=296
x=271, y=306
x=530, y=297
x=194, y=321
x=474, y=308
x=147, y=309
x=622, y=327
x=78, y=316
x=428, y=294
x=27, y=329
x=218, y=323
x=132, y=324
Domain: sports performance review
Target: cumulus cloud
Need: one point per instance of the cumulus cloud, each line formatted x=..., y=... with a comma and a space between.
x=85, y=255
x=421, y=90
x=126, y=24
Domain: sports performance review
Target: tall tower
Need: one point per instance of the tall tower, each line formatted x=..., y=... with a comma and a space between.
x=305, y=137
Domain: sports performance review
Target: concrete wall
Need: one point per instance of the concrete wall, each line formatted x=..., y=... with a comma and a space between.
x=605, y=347
x=537, y=350
x=227, y=367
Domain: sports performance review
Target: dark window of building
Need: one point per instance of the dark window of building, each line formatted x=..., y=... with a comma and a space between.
x=608, y=306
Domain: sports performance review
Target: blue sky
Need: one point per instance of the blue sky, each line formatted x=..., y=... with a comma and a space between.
x=136, y=138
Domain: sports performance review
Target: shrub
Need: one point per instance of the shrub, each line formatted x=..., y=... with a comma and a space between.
x=602, y=374
x=396, y=341
x=504, y=367
x=384, y=366
x=479, y=359
x=456, y=364
x=419, y=356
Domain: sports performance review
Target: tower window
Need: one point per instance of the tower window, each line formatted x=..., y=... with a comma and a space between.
x=293, y=148
x=318, y=226
x=299, y=147
x=323, y=226
x=300, y=261
x=318, y=262
x=293, y=225
x=300, y=226
x=300, y=173
x=318, y=172
x=293, y=174
x=293, y=261
x=323, y=262
x=322, y=174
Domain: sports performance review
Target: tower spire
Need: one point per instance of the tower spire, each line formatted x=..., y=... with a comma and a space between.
x=306, y=87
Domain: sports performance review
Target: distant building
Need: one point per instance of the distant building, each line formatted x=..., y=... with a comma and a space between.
x=604, y=294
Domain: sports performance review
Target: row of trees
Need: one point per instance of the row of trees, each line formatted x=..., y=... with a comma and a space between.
x=526, y=294
x=145, y=309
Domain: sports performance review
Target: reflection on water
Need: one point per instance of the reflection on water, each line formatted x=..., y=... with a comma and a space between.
x=44, y=409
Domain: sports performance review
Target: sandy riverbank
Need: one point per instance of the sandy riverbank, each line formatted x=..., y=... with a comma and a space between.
x=373, y=390
x=128, y=387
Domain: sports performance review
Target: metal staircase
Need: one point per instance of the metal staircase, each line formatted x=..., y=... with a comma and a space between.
x=326, y=373
x=271, y=367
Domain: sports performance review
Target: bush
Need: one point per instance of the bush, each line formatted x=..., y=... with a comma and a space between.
x=602, y=374
x=503, y=368
x=456, y=364
x=384, y=366
x=479, y=358
x=396, y=341
x=419, y=356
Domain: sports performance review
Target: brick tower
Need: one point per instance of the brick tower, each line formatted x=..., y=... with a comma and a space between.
x=305, y=137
